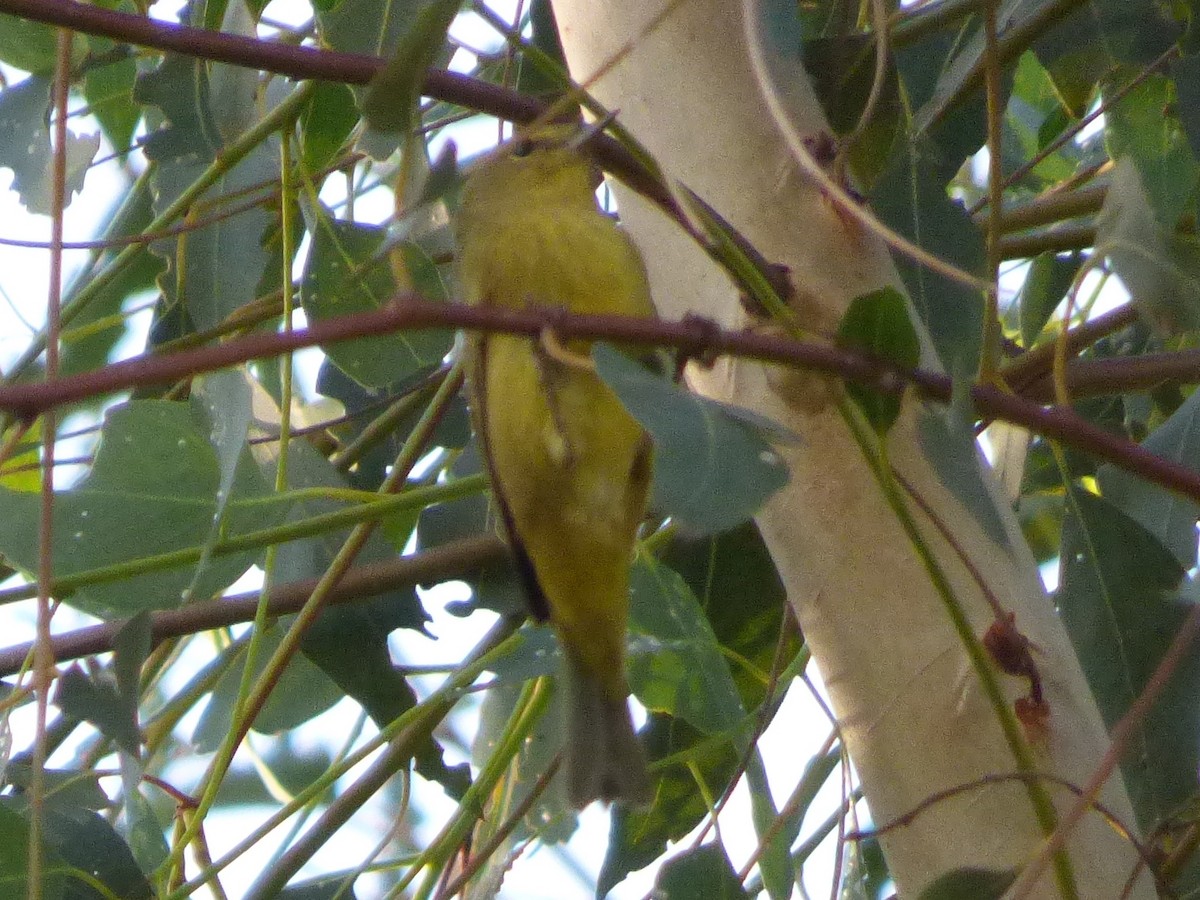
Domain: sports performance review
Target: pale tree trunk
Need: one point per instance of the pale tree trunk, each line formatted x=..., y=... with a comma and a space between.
x=911, y=711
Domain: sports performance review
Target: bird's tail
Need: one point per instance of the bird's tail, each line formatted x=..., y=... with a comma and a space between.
x=605, y=761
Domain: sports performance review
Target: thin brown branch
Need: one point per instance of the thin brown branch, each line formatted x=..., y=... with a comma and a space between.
x=455, y=560
x=1035, y=363
x=1092, y=377
x=1059, y=239
x=1050, y=208
x=697, y=338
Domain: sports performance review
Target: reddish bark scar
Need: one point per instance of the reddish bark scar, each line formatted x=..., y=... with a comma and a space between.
x=1010, y=650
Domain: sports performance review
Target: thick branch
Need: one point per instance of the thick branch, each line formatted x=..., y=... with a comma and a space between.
x=454, y=560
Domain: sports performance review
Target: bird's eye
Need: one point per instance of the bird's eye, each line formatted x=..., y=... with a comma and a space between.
x=523, y=147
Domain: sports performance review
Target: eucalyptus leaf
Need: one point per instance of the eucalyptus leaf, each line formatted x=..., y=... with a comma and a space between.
x=1120, y=602
x=1169, y=516
x=152, y=489
x=877, y=323
x=25, y=146
x=712, y=470
x=970, y=884
x=704, y=873
x=345, y=274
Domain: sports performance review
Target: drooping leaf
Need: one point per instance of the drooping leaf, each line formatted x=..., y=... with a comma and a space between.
x=1161, y=270
x=877, y=323
x=87, y=841
x=948, y=441
x=302, y=693
x=910, y=197
x=183, y=122
x=1045, y=287
x=638, y=837
x=1036, y=115
x=1138, y=128
x=326, y=124
x=390, y=102
x=543, y=37
x=215, y=269
x=348, y=643
x=99, y=703
x=683, y=670
x=734, y=579
x=108, y=90
x=495, y=585
x=970, y=884
x=1120, y=604
x=1168, y=516
x=704, y=873
x=31, y=46
x=686, y=675
x=95, y=330
x=345, y=274
x=551, y=818
x=842, y=70
x=712, y=470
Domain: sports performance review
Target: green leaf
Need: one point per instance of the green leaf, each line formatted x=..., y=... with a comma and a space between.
x=551, y=818
x=390, y=103
x=326, y=124
x=95, y=330
x=64, y=787
x=1137, y=127
x=544, y=37
x=185, y=127
x=878, y=324
x=910, y=197
x=712, y=470
x=1036, y=116
x=736, y=584
x=970, y=884
x=25, y=146
x=146, y=834
x=151, y=490
x=1161, y=270
x=494, y=585
x=14, y=857
x=842, y=70
x=346, y=274
x=302, y=693
x=30, y=46
x=1185, y=72
x=101, y=704
x=701, y=874
x=947, y=439
x=1118, y=600
x=349, y=642
x=1167, y=515
x=86, y=841
x=1046, y=285
x=371, y=27
x=686, y=675
x=108, y=90
x=639, y=837
x=215, y=270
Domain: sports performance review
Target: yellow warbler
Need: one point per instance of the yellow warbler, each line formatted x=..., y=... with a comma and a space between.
x=570, y=468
